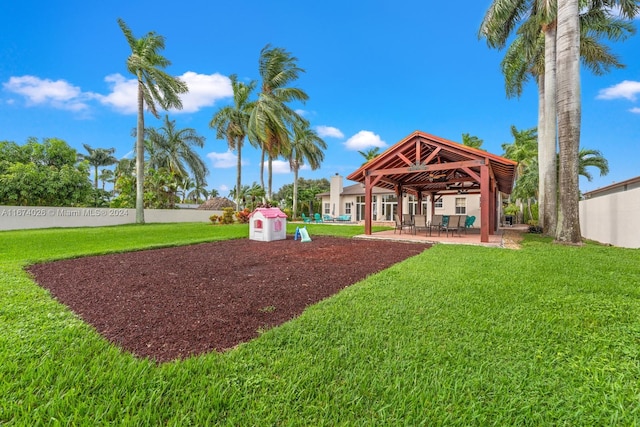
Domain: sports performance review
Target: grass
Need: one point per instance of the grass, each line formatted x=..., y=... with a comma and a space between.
x=459, y=335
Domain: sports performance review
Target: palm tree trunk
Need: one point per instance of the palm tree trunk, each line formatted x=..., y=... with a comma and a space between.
x=295, y=191
x=262, y=155
x=547, y=148
x=270, y=177
x=569, y=112
x=542, y=202
x=140, y=157
x=239, y=173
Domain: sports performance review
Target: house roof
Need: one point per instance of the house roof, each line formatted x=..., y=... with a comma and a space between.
x=618, y=186
x=424, y=162
x=269, y=213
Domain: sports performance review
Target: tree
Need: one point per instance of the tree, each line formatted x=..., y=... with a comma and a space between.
x=154, y=86
x=471, y=141
x=533, y=52
x=306, y=147
x=173, y=149
x=370, y=154
x=524, y=150
x=231, y=122
x=98, y=157
x=591, y=158
x=106, y=175
x=271, y=118
x=43, y=174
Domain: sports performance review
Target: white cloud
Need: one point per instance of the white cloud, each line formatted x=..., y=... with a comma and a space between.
x=364, y=139
x=301, y=113
x=329, y=132
x=124, y=94
x=58, y=94
x=224, y=189
x=278, y=167
x=204, y=91
x=223, y=160
x=627, y=89
x=635, y=110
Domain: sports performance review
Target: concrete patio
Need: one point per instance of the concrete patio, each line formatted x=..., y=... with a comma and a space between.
x=472, y=237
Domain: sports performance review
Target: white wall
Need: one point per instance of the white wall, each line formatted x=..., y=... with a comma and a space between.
x=612, y=218
x=23, y=217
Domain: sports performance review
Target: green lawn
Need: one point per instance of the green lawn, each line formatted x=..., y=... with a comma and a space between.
x=459, y=335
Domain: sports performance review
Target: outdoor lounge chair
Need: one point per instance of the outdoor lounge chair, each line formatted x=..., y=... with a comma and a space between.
x=317, y=217
x=305, y=218
x=452, y=225
x=436, y=222
x=420, y=223
x=469, y=222
x=327, y=218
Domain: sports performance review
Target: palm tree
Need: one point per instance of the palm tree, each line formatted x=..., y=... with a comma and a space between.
x=370, y=154
x=173, y=150
x=524, y=150
x=154, y=86
x=533, y=52
x=106, y=175
x=98, y=157
x=471, y=141
x=306, y=147
x=271, y=118
x=591, y=158
x=231, y=122
x=199, y=193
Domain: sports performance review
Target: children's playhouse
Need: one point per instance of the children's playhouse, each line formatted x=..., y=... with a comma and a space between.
x=267, y=224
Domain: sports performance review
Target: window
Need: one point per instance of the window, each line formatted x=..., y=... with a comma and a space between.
x=438, y=203
x=461, y=206
x=327, y=208
x=347, y=208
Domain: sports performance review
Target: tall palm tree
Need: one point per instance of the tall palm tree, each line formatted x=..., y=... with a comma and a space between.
x=533, y=52
x=306, y=148
x=271, y=118
x=98, y=157
x=370, y=154
x=524, y=150
x=231, y=122
x=173, y=150
x=154, y=86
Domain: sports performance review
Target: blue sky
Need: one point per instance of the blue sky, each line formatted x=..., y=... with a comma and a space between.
x=375, y=72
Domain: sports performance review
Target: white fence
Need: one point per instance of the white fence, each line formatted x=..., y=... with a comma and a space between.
x=23, y=217
x=612, y=218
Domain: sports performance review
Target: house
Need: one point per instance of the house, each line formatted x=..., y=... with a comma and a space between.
x=349, y=200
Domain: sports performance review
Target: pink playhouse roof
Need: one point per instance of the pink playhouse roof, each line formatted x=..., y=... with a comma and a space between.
x=269, y=213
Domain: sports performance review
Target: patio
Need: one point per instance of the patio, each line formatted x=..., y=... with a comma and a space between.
x=501, y=239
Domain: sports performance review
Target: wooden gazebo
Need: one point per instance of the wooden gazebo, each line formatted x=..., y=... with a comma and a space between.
x=426, y=165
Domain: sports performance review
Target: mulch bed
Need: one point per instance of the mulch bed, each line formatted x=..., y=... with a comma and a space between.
x=171, y=303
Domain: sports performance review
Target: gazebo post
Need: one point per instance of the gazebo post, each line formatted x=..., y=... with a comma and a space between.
x=367, y=204
x=485, y=204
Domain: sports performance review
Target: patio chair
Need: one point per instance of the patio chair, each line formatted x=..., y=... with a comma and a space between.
x=469, y=222
x=407, y=221
x=398, y=224
x=420, y=223
x=436, y=222
x=452, y=225
x=327, y=218
x=305, y=218
x=317, y=217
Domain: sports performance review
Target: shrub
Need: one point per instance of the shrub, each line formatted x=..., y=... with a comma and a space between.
x=214, y=218
x=227, y=216
x=535, y=229
x=243, y=216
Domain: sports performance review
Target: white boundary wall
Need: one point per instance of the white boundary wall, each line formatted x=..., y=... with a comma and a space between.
x=24, y=217
x=612, y=218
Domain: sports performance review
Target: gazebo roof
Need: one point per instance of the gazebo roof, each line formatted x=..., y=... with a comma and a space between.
x=424, y=162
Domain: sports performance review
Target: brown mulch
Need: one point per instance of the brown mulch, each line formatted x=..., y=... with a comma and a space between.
x=171, y=303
